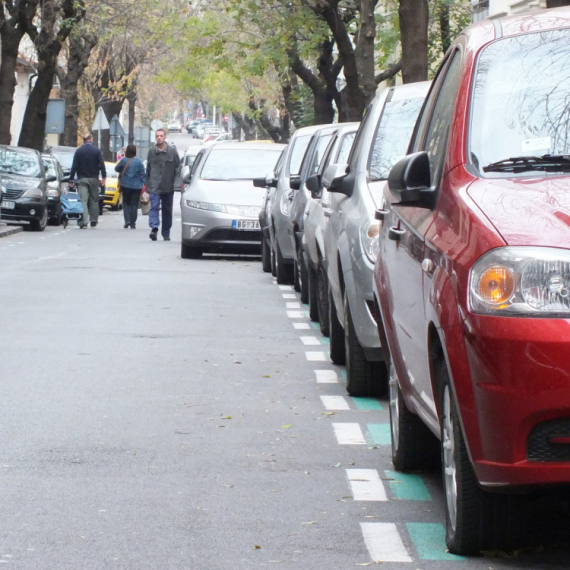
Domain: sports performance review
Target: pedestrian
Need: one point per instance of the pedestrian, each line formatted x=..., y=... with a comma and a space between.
x=131, y=179
x=121, y=153
x=162, y=166
x=88, y=163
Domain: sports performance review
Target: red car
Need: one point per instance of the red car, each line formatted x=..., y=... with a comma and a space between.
x=472, y=281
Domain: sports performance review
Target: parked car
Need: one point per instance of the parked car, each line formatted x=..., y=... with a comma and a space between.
x=200, y=129
x=220, y=206
x=55, y=188
x=473, y=275
x=351, y=235
x=213, y=138
x=64, y=155
x=112, y=196
x=282, y=246
x=24, y=178
x=317, y=212
x=301, y=195
x=175, y=127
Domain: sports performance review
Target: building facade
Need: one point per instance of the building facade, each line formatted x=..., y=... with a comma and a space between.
x=496, y=8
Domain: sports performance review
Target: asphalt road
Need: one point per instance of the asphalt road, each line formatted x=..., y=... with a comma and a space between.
x=160, y=413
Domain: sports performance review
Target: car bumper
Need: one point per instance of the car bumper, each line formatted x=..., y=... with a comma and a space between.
x=25, y=210
x=111, y=198
x=53, y=206
x=520, y=376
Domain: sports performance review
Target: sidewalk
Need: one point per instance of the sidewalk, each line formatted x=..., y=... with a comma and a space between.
x=6, y=230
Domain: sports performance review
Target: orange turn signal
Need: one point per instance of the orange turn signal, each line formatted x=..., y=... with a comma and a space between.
x=496, y=285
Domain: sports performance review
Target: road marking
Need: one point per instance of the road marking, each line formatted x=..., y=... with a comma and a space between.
x=367, y=404
x=335, y=403
x=429, y=541
x=310, y=340
x=289, y=296
x=301, y=326
x=316, y=356
x=406, y=487
x=384, y=543
x=285, y=287
x=379, y=434
x=293, y=305
x=296, y=314
x=326, y=376
x=366, y=485
x=349, y=434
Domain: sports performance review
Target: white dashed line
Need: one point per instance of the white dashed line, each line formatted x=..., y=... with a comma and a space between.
x=335, y=403
x=293, y=305
x=349, y=434
x=366, y=485
x=316, y=356
x=286, y=287
x=326, y=377
x=301, y=326
x=384, y=543
x=289, y=296
x=310, y=341
x=296, y=314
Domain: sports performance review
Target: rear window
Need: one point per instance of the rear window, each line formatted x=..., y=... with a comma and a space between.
x=300, y=145
x=239, y=164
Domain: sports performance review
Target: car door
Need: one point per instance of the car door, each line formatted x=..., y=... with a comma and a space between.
x=406, y=260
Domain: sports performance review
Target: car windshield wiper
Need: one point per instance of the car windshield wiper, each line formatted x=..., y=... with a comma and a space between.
x=8, y=172
x=546, y=162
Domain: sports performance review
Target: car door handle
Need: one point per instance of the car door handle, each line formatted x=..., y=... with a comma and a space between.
x=395, y=233
x=327, y=212
x=381, y=214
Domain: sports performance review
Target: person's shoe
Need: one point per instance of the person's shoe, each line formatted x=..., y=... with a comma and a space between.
x=126, y=226
x=133, y=226
x=82, y=226
x=166, y=238
x=93, y=224
x=152, y=234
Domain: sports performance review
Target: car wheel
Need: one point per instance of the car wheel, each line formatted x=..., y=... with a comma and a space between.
x=476, y=520
x=301, y=277
x=323, y=298
x=190, y=252
x=283, y=272
x=313, y=295
x=265, y=256
x=365, y=378
x=273, y=262
x=336, y=333
x=414, y=447
x=296, y=276
x=39, y=225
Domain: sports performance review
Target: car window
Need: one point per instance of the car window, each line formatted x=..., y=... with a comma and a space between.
x=345, y=147
x=64, y=158
x=393, y=134
x=521, y=98
x=189, y=160
x=353, y=157
x=22, y=163
x=50, y=167
x=242, y=164
x=196, y=163
x=279, y=164
x=300, y=145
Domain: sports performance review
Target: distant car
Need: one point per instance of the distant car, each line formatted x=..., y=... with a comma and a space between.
x=24, y=177
x=113, y=197
x=201, y=128
x=220, y=205
x=211, y=134
x=222, y=137
x=64, y=155
x=54, y=188
x=175, y=127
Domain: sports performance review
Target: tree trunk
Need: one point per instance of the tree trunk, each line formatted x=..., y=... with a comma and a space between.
x=10, y=43
x=132, y=98
x=364, y=51
x=246, y=124
x=444, y=29
x=414, y=15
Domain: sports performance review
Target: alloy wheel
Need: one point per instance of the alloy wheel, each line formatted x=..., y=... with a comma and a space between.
x=449, y=464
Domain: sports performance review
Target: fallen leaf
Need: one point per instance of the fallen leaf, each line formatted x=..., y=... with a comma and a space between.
x=266, y=376
x=312, y=522
x=227, y=418
x=257, y=547
x=287, y=426
x=237, y=362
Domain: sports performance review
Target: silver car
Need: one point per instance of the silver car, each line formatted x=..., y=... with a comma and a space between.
x=282, y=244
x=351, y=235
x=220, y=205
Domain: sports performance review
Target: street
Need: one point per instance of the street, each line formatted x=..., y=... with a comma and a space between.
x=160, y=413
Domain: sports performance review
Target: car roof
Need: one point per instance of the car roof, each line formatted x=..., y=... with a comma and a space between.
x=63, y=148
x=410, y=90
x=232, y=145
x=18, y=148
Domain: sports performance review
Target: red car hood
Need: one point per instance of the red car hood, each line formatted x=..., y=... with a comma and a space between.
x=526, y=211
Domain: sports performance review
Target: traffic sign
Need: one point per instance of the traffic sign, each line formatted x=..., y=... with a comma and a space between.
x=156, y=124
x=101, y=123
x=116, y=128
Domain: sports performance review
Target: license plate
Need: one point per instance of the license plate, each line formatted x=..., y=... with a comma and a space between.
x=246, y=225
x=8, y=205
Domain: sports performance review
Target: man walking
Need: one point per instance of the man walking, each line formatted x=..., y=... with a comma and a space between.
x=87, y=164
x=162, y=166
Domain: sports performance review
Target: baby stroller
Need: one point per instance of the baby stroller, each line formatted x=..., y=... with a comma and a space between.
x=71, y=206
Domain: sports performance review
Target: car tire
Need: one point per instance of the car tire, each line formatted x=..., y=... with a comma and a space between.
x=336, y=333
x=323, y=298
x=39, y=225
x=302, y=277
x=296, y=277
x=364, y=378
x=313, y=295
x=476, y=520
x=56, y=220
x=283, y=272
x=414, y=447
x=265, y=256
x=190, y=251
x=273, y=262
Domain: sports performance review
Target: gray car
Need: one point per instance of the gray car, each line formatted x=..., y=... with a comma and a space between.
x=351, y=235
x=282, y=245
x=220, y=205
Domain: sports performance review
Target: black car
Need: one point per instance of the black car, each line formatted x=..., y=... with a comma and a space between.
x=54, y=188
x=64, y=155
x=23, y=175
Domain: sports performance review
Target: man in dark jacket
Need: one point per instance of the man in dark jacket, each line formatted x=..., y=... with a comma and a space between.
x=88, y=163
x=162, y=166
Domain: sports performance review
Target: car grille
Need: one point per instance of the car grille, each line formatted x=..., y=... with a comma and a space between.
x=12, y=194
x=540, y=444
x=233, y=235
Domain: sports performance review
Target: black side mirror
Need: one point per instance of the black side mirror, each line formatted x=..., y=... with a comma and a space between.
x=65, y=178
x=333, y=176
x=409, y=181
x=51, y=178
x=259, y=182
x=313, y=184
x=295, y=182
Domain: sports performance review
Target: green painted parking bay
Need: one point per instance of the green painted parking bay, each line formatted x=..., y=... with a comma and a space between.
x=367, y=403
x=378, y=434
x=429, y=541
x=407, y=487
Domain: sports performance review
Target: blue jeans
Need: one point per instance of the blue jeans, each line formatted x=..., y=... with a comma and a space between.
x=156, y=201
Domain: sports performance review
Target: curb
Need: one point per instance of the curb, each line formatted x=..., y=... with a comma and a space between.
x=9, y=230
